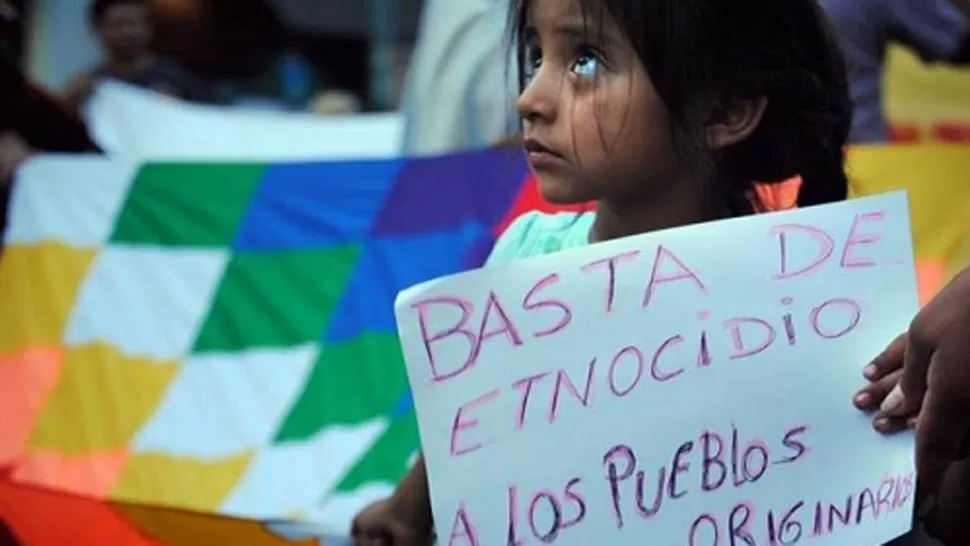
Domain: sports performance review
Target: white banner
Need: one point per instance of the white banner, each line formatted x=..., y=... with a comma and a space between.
x=135, y=124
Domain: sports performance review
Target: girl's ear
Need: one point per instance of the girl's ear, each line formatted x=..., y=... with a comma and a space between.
x=735, y=123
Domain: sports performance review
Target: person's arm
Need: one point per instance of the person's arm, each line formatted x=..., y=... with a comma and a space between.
x=31, y=120
x=412, y=499
x=949, y=521
x=44, y=122
x=13, y=152
x=937, y=30
x=48, y=124
x=930, y=367
x=78, y=90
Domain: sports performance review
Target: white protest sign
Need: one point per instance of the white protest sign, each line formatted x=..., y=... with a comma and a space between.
x=686, y=387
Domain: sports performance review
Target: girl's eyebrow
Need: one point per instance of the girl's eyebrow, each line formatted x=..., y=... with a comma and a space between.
x=579, y=31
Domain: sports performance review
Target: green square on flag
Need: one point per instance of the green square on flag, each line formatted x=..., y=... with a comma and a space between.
x=276, y=299
x=332, y=395
x=193, y=204
x=389, y=458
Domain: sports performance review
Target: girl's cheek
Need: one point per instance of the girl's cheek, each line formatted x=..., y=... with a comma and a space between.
x=587, y=139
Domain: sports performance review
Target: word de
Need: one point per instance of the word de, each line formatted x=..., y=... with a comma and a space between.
x=825, y=245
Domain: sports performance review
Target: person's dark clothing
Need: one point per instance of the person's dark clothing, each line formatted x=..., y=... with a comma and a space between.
x=164, y=76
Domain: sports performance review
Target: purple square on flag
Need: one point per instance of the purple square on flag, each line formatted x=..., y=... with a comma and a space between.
x=443, y=193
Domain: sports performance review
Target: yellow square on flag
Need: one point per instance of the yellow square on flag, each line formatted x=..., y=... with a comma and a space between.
x=39, y=283
x=99, y=385
x=184, y=482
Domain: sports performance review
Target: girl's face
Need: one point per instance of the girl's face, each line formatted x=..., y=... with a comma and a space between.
x=593, y=124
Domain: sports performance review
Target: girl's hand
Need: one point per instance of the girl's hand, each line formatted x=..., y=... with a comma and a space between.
x=884, y=374
x=382, y=524
x=932, y=365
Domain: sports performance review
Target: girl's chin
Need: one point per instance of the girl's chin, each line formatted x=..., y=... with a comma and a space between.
x=558, y=191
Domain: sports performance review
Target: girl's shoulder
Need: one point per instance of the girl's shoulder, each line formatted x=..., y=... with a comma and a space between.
x=537, y=233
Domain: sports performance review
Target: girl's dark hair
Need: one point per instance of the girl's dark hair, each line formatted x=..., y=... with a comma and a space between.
x=704, y=55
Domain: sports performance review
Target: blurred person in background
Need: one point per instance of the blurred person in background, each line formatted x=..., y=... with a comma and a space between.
x=452, y=96
x=937, y=30
x=31, y=120
x=124, y=32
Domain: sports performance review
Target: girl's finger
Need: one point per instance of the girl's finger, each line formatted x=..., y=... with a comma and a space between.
x=870, y=398
x=888, y=361
x=891, y=425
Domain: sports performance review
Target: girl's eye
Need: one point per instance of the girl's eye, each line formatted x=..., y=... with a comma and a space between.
x=532, y=61
x=586, y=65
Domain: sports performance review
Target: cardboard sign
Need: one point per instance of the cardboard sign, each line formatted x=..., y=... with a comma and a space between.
x=691, y=386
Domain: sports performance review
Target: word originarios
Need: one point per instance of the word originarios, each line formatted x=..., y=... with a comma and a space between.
x=468, y=327
x=748, y=524
x=543, y=397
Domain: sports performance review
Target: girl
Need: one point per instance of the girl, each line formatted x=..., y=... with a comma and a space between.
x=664, y=112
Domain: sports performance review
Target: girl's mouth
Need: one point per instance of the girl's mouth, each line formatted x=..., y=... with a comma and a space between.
x=540, y=155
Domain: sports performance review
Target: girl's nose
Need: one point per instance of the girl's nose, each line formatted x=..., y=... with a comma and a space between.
x=538, y=102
